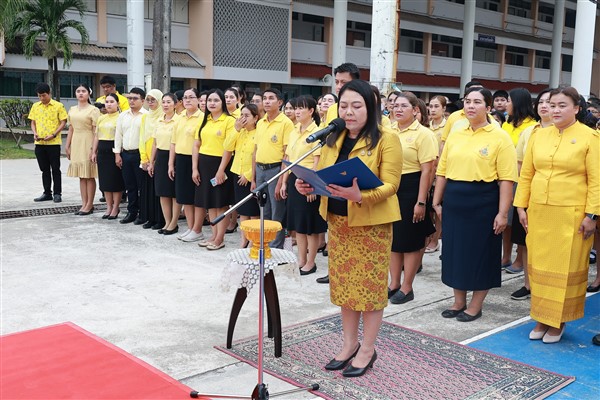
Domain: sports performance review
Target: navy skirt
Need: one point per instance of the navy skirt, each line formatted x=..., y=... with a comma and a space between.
x=163, y=185
x=184, y=185
x=250, y=207
x=109, y=175
x=302, y=216
x=208, y=196
x=471, y=251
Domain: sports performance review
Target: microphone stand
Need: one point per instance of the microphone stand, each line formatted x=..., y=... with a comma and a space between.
x=261, y=391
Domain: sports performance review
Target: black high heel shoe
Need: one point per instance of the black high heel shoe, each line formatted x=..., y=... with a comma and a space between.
x=353, y=372
x=335, y=365
x=232, y=230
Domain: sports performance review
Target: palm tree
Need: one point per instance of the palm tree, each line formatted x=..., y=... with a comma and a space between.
x=47, y=18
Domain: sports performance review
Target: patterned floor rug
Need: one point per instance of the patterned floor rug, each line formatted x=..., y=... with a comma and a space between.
x=410, y=365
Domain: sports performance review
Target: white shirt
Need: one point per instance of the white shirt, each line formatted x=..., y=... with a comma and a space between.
x=127, y=135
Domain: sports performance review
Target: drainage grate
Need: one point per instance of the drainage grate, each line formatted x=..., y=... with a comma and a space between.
x=37, y=212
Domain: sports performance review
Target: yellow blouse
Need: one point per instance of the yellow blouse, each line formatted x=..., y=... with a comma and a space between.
x=83, y=120
x=418, y=147
x=524, y=139
x=214, y=134
x=185, y=131
x=242, y=143
x=561, y=169
x=236, y=114
x=486, y=154
x=515, y=132
x=164, y=132
x=437, y=131
x=106, y=126
x=299, y=147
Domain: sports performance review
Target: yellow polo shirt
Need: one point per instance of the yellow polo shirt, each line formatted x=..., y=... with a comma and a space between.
x=299, y=147
x=458, y=121
x=515, y=132
x=214, y=134
x=242, y=143
x=47, y=119
x=236, y=114
x=484, y=155
x=271, y=138
x=437, y=131
x=185, y=131
x=418, y=147
x=164, y=132
x=385, y=121
x=524, y=139
x=123, y=102
x=106, y=126
x=332, y=113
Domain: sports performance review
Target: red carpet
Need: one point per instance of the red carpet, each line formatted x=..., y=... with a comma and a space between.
x=66, y=362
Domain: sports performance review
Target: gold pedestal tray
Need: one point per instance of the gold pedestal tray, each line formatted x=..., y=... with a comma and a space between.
x=251, y=229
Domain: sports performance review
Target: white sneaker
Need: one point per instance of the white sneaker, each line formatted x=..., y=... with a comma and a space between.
x=184, y=234
x=192, y=237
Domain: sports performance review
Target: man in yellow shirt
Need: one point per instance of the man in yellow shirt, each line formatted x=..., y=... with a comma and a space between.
x=271, y=140
x=48, y=118
x=344, y=73
x=109, y=85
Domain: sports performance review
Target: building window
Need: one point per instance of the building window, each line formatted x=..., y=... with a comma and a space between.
x=446, y=46
x=567, y=63
x=516, y=56
x=90, y=5
x=177, y=84
x=485, y=52
x=179, y=10
x=492, y=5
x=519, y=8
x=116, y=8
x=542, y=59
x=410, y=41
x=457, y=1
x=358, y=34
x=546, y=13
x=570, y=15
x=19, y=84
x=69, y=82
x=308, y=27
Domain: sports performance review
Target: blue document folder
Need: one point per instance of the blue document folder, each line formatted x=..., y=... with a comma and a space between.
x=340, y=174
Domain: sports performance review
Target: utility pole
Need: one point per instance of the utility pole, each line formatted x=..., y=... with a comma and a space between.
x=161, y=46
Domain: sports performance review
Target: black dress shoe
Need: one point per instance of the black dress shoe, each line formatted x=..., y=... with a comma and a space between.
x=464, y=317
x=336, y=365
x=310, y=271
x=392, y=292
x=86, y=212
x=592, y=289
x=353, y=372
x=171, y=231
x=128, y=218
x=102, y=199
x=325, y=252
x=596, y=340
x=77, y=213
x=324, y=279
x=234, y=229
x=452, y=313
x=57, y=198
x=320, y=249
x=43, y=197
x=401, y=298
x=156, y=226
x=147, y=225
x=139, y=221
x=111, y=217
x=105, y=216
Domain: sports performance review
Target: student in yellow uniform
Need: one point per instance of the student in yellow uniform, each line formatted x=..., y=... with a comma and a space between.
x=270, y=141
x=343, y=74
x=232, y=100
x=560, y=187
x=242, y=145
x=303, y=211
x=109, y=85
x=475, y=176
x=158, y=165
x=210, y=161
x=180, y=161
x=149, y=203
x=290, y=110
x=48, y=118
x=419, y=151
x=80, y=141
x=327, y=100
x=110, y=178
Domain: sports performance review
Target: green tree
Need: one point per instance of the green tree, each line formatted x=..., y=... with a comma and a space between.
x=47, y=19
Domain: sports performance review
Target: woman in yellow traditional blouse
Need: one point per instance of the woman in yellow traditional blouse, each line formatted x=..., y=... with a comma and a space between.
x=180, y=161
x=110, y=177
x=302, y=216
x=419, y=149
x=360, y=226
x=232, y=100
x=150, y=211
x=475, y=176
x=158, y=166
x=289, y=110
x=210, y=161
x=82, y=125
x=242, y=144
x=560, y=187
x=327, y=101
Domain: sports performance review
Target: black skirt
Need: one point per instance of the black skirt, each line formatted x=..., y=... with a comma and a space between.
x=206, y=195
x=249, y=208
x=409, y=237
x=471, y=251
x=109, y=175
x=517, y=233
x=303, y=217
x=184, y=185
x=163, y=185
x=150, y=203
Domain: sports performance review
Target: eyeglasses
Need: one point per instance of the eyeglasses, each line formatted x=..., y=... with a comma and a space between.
x=189, y=97
x=134, y=98
x=151, y=100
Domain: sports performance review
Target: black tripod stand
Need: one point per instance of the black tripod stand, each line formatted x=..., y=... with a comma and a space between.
x=261, y=392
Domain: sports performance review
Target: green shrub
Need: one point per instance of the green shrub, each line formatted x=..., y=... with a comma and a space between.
x=14, y=113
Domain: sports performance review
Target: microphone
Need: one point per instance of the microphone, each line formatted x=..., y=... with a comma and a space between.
x=337, y=125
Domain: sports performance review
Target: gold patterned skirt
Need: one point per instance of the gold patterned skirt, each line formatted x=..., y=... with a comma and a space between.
x=557, y=263
x=359, y=260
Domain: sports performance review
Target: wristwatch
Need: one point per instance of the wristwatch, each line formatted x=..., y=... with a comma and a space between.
x=593, y=217
x=421, y=203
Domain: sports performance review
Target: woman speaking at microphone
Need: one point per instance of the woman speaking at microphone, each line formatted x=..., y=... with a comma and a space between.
x=360, y=225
